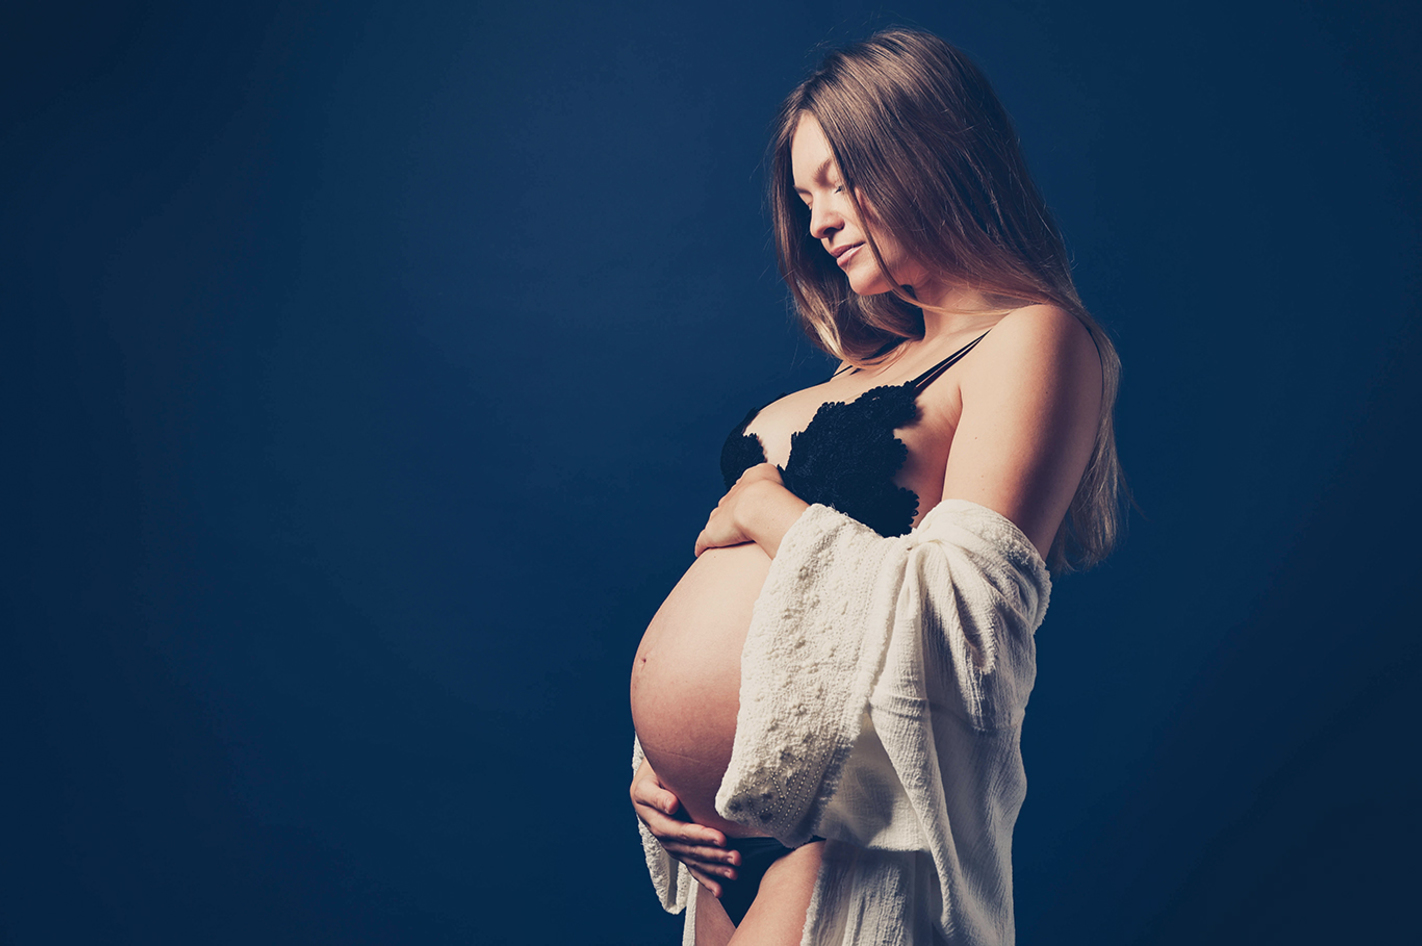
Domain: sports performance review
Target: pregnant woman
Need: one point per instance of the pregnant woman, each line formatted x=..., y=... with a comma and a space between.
x=828, y=704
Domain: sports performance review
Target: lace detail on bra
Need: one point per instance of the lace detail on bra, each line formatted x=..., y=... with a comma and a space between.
x=847, y=456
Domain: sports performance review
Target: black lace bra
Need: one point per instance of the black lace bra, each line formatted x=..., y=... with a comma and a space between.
x=848, y=455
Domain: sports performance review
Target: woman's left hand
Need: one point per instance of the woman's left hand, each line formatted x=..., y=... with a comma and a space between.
x=757, y=509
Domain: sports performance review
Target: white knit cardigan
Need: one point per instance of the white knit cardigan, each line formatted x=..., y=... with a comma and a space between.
x=883, y=685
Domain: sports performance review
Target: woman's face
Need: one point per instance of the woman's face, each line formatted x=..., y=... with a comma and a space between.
x=833, y=221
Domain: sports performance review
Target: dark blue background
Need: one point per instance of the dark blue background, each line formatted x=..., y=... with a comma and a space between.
x=365, y=368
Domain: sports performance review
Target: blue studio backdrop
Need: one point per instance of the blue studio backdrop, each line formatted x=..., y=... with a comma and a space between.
x=365, y=367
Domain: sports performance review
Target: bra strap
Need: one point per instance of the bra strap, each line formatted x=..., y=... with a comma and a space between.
x=931, y=375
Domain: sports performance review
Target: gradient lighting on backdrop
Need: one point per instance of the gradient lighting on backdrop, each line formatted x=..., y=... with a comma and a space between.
x=366, y=368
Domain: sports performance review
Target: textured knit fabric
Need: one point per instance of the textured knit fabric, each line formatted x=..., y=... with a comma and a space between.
x=883, y=686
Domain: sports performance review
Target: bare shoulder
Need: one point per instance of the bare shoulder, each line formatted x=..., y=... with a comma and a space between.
x=1044, y=337
x=1031, y=402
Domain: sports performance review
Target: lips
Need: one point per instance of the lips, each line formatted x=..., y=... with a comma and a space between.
x=844, y=254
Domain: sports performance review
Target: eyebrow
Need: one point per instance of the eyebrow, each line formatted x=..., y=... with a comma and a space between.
x=819, y=173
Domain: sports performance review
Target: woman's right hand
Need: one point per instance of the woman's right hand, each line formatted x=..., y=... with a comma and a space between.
x=701, y=849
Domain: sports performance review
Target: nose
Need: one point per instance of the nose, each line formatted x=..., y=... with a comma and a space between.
x=824, y=220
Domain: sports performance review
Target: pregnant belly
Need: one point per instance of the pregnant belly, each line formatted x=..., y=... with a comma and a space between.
x=686, y=677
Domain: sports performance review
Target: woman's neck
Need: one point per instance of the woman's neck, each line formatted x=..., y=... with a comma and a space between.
x=954, y=310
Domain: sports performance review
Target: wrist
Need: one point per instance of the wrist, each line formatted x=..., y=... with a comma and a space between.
x=768, y=513
x=756, y=497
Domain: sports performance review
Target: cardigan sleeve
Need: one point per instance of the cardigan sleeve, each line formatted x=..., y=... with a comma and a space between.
x=839, y=606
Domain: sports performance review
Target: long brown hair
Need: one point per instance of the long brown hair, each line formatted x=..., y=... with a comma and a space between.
x=914, y=126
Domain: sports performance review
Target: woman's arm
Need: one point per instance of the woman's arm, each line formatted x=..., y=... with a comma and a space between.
x=1031, y=405
x=757, y=509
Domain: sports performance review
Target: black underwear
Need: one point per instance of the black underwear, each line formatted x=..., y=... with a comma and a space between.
x=757, y=854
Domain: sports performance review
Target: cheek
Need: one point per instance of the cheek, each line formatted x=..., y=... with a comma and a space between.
x=902, y=266
x=865, y=277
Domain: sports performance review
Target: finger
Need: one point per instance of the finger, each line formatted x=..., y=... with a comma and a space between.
x=697, y=851
x=662, y=800
x=710, y=868
x=659, y=803
x=706, y=541
x=695, y=835
x=710, y=883
x=650, y=793
x=674, y=831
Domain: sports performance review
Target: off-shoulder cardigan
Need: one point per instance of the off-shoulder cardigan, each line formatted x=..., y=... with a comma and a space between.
x=883, y=685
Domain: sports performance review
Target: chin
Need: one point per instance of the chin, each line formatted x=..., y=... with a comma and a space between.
x=876, y=286
x=866, y=279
